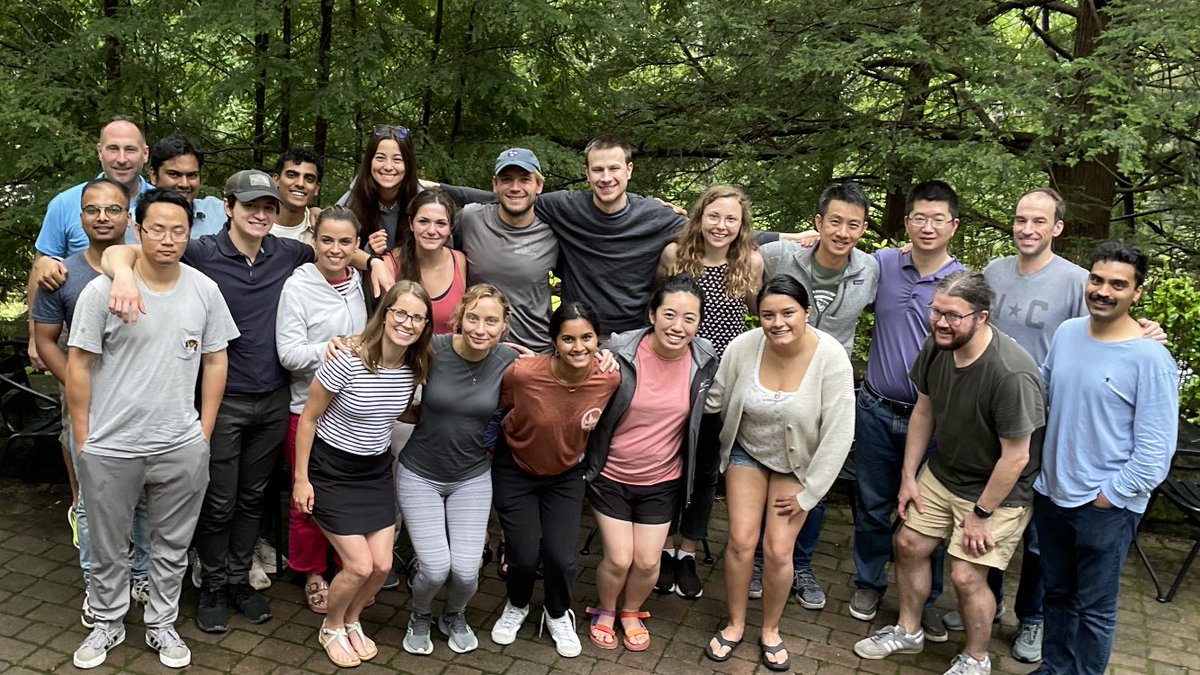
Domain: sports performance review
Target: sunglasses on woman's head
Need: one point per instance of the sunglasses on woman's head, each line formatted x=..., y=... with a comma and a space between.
x=389, y=130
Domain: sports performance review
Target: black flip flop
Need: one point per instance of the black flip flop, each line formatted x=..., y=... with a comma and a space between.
x=773, y=651
x=722, y=641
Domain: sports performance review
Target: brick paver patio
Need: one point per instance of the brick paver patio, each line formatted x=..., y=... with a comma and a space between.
x=41, y=591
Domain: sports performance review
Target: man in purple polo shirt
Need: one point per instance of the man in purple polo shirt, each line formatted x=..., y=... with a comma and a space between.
x=887, y=397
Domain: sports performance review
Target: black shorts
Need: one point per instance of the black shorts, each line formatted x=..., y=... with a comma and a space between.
x=639, y=504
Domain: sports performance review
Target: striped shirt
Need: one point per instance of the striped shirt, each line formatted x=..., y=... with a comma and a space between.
x=364, y=406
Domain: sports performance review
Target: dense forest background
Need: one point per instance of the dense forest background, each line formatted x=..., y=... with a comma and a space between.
x=1099, y=98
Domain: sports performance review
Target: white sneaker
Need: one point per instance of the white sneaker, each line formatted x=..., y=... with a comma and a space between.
x=95, y=646
x=258, y=577
x=562, y=631
x=172, y=651
x=510, y=621
x=139, y=590
x=963, y=664
x=86, y=617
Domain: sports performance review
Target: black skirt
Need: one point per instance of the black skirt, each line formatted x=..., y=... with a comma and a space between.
x=352, y=494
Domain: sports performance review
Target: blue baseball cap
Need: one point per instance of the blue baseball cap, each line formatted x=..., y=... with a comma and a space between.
x=522, y=157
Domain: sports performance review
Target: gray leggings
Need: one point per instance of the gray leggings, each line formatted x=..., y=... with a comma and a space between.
x=447, y=523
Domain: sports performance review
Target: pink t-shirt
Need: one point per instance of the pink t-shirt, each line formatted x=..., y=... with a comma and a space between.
x=646, y=445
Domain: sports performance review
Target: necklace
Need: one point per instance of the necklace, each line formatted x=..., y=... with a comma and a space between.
x=555, y=367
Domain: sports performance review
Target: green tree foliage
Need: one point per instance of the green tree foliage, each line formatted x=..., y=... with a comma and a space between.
x=998, y=96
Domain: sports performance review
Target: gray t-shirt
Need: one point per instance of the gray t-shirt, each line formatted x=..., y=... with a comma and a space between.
x=1030, y=308
x=58, y=306
x=457, y=402
x=518, y=261
x=997, y=396
x=144, y=379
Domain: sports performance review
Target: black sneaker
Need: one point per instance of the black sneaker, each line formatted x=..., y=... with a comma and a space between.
x=393, y=578
x=410, y=573
x=249, y=603
x=212, y=616
x=666, y=574
x=687, y=582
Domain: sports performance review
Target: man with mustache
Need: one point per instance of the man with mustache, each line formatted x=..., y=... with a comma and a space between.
x=1114, y=409
x=981, y=393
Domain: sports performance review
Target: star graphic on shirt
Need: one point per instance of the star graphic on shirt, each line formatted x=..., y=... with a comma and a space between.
x=1014, y=310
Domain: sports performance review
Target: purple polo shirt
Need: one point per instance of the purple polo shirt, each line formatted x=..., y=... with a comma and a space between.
x=901, y=322
x=251, y=291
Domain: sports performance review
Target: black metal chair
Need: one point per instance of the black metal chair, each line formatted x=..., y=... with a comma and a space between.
x=1182, y=490
x=27, y=416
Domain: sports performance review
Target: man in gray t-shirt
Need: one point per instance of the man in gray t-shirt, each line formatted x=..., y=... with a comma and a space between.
x=131, y=391
x=508, y=246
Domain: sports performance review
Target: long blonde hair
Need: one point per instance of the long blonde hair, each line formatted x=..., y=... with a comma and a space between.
x=689, y=256
x=419, y=354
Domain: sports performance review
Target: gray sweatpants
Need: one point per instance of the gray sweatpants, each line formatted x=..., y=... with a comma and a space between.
x=174, y=484
x=447, y=523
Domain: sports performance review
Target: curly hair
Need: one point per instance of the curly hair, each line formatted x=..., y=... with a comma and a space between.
x=689, y=257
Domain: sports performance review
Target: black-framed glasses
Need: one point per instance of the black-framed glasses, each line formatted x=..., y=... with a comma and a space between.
x=112, y=210
x=402, y=316
x=952, y=318
x=382, y=130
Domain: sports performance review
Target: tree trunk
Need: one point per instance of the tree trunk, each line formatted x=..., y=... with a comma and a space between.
x=285, y=102
x=262, y=42
x=427, y=104
x=462, y=78
x=112, y=48
x=357, y=75
x=900, y=177
x=321, y=133
x=1089, y=187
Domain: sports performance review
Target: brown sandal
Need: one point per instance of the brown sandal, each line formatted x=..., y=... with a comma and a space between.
x=316, y=594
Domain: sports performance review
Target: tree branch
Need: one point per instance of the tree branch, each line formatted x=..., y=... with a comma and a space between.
x=1046, y=39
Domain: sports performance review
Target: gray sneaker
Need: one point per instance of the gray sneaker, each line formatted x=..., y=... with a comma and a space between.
x=86, y=617
x=965, y=665
x=934, y=626
x=864, y=603
x=887, y=641
x=139, y=590
x=756, y=583
x=461, y=638
x=95, y=646
x=416, y=637
x=808, y=590
x=172, y=651
x=953, y=620
x=1027, y=643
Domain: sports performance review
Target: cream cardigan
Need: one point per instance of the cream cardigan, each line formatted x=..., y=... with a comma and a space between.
x=820, y=425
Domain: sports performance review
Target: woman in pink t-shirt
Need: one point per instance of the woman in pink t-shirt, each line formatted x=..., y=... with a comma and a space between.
x=641, y=456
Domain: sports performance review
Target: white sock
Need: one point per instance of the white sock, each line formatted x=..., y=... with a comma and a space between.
x=686, y=554
x=669, y=551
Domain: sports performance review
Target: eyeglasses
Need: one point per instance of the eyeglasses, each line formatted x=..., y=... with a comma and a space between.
x=382, y=130
x=713, y=218
x=402, y=316
x=158, y=233
x=952, y=318
x=112, y=210
x=920, y=221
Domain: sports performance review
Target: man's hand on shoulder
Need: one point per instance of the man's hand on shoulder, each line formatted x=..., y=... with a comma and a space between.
x=48, y=273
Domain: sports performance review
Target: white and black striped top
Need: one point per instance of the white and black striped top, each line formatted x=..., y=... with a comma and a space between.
x=359, y=419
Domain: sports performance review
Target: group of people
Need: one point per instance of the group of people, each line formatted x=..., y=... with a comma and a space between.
x=403, y=352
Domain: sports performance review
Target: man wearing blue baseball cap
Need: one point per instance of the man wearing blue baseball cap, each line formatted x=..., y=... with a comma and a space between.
x=508, y=246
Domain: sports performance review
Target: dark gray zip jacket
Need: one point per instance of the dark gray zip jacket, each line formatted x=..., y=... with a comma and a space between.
x=624, y=348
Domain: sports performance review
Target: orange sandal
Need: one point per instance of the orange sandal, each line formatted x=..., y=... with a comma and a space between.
x=597, y=626
x=640, y=630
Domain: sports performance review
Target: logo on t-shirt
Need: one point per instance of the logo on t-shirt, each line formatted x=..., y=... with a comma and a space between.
x=590, y=418
x=190, y=346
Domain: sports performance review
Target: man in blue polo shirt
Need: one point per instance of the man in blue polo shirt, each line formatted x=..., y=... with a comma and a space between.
x=250, y=267
x=122, y=153
x=887, y=397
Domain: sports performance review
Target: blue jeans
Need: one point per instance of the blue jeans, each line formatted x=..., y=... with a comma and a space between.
x=139, y=536
x=878, y=459
x=1083, y=551
x=1031, y=590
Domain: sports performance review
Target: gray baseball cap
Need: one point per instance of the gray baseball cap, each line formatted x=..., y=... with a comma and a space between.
x=250, y=184
x=522, y=157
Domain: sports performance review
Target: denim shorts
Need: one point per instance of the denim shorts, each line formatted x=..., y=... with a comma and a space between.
x=739, y=457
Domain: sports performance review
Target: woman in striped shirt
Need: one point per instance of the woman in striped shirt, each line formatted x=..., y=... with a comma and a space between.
x=343, y=468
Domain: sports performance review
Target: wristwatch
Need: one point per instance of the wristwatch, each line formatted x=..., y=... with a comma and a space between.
x=982, y=512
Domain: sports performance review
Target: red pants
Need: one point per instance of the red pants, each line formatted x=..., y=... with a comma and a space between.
x=308, y=550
